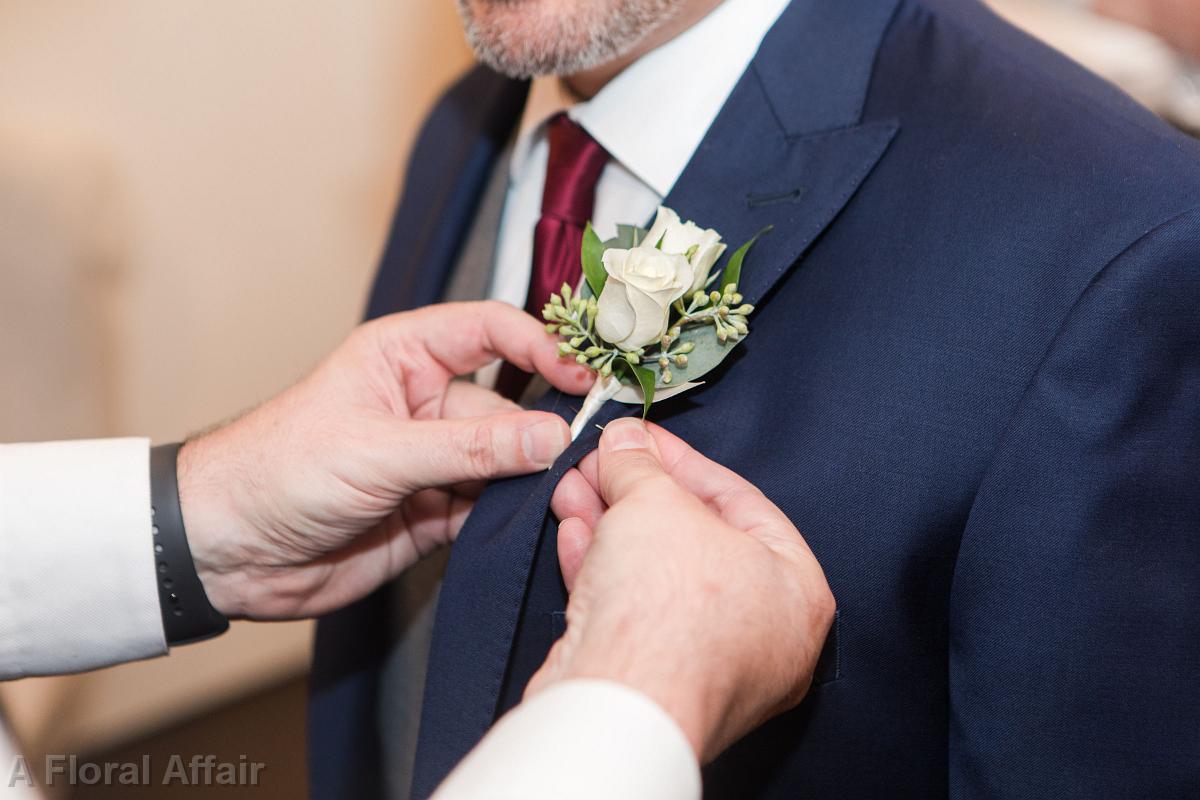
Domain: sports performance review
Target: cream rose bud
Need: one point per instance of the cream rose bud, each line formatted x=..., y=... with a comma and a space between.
x=680, y=237
x=636, y=301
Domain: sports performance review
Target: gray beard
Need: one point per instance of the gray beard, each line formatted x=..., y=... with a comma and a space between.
x=562, y=45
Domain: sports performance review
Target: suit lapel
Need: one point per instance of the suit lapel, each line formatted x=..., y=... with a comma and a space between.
x=463, y=138
x=788, y=150
x=480, y=605
x=795, y=186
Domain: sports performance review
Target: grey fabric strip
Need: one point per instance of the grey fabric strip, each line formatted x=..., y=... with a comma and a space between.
x=413, y=596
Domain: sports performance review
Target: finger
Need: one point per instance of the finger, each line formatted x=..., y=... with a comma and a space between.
x=461, y=507
x=427, y=519
x=589, y=468
x=715, y=485
x=575, y=497
x=628, y=459
x=471, y=490
x=432, y=518
x=739, y=502
x=463, y=337
x=574, y=538
x=670, y=448
x=467, y=399
x=431, y=453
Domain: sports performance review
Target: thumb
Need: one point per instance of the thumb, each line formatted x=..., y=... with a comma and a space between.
x=574, y=539
x=628, y=458
x=449, y=451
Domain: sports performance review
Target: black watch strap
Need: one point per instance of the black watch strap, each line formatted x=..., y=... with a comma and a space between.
x=187, y=615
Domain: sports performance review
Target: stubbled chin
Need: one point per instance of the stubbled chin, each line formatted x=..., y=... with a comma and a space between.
x=522, y=38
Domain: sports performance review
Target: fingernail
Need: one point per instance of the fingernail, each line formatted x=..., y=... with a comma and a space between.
x=626, y=433
x=544, y=442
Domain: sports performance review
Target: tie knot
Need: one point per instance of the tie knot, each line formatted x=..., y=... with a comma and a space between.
x=572, y=171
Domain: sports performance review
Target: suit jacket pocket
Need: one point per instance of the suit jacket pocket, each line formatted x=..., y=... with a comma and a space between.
x=829, y=664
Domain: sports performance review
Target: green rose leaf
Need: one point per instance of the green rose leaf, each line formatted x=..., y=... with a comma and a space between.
x=733, y=270
x=645, y=378
x=592, y=257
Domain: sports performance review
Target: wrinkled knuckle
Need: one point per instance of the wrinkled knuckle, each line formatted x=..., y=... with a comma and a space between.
x=798, y=692
x=490, y=309
x=824, y=605
x=477, y=447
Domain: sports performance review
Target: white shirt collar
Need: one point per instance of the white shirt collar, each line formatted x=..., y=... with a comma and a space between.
x=652, y=116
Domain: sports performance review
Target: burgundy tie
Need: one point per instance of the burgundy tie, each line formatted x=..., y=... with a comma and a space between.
x=572, y=171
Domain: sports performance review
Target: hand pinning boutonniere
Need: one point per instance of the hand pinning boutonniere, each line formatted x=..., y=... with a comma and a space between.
x=651, y=315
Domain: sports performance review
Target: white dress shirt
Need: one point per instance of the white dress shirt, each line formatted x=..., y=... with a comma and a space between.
x=579, y=740
x=77, y=581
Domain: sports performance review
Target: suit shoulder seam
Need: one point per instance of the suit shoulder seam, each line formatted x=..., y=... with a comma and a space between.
x=1059, y=331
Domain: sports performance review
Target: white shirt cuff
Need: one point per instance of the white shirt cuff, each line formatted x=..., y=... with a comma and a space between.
x=580, y=740
x=77, y=579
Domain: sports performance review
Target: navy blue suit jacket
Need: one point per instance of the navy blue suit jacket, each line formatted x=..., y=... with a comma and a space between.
x=974, y=385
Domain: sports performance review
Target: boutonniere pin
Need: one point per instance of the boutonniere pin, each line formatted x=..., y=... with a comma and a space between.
x=651, y=315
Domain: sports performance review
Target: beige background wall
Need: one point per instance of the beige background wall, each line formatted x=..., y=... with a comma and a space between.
x=193, y=194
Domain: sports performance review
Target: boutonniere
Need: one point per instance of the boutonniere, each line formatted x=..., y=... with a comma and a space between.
x=651, y=315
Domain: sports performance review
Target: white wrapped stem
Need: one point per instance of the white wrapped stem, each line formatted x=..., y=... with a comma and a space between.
x=603, y=390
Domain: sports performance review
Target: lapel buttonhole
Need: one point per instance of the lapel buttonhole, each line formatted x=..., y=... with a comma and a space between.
x=760, y=200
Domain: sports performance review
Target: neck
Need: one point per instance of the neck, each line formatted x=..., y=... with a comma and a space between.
x=586, y=84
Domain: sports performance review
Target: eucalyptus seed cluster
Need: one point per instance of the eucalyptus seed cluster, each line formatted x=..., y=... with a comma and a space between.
x=724, y=310
x=671, y=351
x=574, y=319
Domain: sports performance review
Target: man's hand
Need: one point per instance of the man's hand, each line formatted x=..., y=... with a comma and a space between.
x=687, y=584
x=314, y=499
x=1175, y=21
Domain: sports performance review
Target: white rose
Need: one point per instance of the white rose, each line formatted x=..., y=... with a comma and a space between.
x=681, y=237
x=636, y=302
